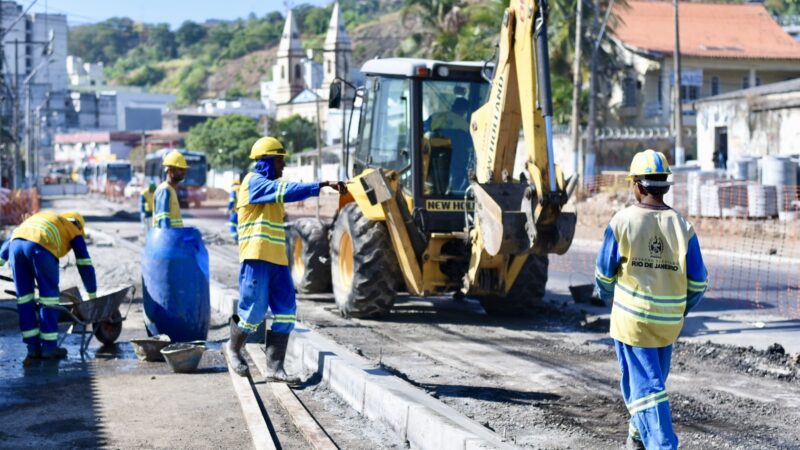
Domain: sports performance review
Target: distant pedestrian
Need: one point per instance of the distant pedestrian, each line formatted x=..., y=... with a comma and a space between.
x=264, y=278
x=146, y=206
x=167, y=206
x=33, y=253
x=233, y=216
x=651, y=266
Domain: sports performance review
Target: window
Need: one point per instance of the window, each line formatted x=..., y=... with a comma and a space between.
x=745, y=82
x=298, y=71
x=715, y=85
x=628, y=91
x=689, y=93
x=329, y=66
x=758, y=81
x=386, y=125
x=446, y=110
x=660, y=88
x=283, y=73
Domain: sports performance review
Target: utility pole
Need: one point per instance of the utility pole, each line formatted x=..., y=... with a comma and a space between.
x=575, y=120
x=592, y=127
x=319, y=153
x=680, y=156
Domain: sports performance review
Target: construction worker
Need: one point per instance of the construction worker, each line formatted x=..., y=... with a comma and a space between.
x=33, y=252
x=233, y=216
x=167, y=207
x=264, y=279
x=651, y=266
x=147, y=205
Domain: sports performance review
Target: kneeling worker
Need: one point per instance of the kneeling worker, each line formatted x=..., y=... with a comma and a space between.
x=168, y=208
x=33, y=252
x=264, y=278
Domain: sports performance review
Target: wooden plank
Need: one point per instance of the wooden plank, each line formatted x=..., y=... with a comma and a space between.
x=256, y=423
x=312, y=432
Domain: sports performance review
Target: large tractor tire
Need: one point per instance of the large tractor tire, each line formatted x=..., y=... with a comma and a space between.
x=364, y=267
x=309, y=256
x=527, y=292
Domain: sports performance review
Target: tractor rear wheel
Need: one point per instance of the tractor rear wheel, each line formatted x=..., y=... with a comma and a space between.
x=364, y=268
x=309, y=256
x=527, y=292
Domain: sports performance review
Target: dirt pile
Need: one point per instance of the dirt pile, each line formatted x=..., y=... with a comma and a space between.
x=773, y=362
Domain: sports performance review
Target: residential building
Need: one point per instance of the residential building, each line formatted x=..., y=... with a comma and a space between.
x=244, y=106
x=84, y=74
x=121, y=109
x=757, y=121
x=724, y=48
x=94, y=146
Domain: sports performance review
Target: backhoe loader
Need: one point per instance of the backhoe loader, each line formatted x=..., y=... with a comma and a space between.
x=435, y=207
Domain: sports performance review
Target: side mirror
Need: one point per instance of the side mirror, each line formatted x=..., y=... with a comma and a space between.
x=335, y=96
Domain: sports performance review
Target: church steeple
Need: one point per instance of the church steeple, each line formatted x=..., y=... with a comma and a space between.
x=288, y=72
x=338, y=52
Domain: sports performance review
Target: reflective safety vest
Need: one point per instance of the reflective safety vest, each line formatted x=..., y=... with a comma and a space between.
x=651, y=288
x=262, y=234
x=174, y=213
x=49, y=230
x=149, y=201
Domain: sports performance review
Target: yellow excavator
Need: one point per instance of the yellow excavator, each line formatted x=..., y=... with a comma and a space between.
x=436, y=207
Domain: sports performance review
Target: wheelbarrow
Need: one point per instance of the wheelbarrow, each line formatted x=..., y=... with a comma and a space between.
x=102, y=313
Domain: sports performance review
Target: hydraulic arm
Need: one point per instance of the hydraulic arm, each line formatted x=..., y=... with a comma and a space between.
x=528, y=214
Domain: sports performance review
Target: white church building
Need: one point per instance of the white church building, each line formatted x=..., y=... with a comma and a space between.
x=300, y=85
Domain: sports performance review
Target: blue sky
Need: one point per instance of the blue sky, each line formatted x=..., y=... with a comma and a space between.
x=152, y=11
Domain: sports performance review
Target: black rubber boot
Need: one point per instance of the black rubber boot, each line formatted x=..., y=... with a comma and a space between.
x=233, y=349
x=634, y=444
x=54, y=353
x=276, y=353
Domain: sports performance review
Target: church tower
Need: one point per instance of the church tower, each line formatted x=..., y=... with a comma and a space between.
x=338, y=52
x=288, y=72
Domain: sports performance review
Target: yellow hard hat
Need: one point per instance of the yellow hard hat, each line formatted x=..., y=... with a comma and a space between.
x=76, y=218
x=649, y=162
x=267, y=146
x=175, y=159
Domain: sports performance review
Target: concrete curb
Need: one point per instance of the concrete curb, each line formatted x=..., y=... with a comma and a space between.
x=413, y=415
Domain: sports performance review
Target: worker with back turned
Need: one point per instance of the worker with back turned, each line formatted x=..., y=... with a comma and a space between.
x=651, y=266
x=233, y=215
x=33, y=252
x=264, y=278
x=167, y=207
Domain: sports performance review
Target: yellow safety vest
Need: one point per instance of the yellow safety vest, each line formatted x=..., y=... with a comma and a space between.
x=262, y=234
x=650, y=294
x=149, y=201
x=174, y=213
x=49, y=230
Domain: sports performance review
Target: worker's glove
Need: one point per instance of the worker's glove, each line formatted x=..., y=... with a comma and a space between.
x=339, y=186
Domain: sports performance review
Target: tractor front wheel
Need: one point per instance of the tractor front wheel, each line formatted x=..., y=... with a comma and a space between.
x=527, y=292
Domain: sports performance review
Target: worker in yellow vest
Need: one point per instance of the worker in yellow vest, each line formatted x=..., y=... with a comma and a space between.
x=264, y=278
x=233, y=216
x=167, y=208
x=33, y=252
x=651, y=266
x=147, y=205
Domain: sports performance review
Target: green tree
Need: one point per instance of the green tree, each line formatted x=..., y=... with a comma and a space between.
x=226, y=140
x=189, y=34
x=296, y=133
x=161, y=42
x=146, y=76
x=105, y=41
x=316, y=21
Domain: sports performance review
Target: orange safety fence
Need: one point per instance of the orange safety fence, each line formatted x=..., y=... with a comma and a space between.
x=21, y=204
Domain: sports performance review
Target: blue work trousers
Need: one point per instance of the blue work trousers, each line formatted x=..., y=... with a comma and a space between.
x=265, y=285
x=644, y=388
x=233, y=226
x=31, y=262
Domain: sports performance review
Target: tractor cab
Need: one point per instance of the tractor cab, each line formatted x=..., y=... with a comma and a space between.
x=415, y=119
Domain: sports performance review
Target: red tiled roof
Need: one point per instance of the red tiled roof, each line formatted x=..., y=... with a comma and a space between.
x=95, y=136
x=706, y=30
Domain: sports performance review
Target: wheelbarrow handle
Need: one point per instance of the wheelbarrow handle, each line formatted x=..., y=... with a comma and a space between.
x=72, y=316
x=5, y=278
x=130, y=301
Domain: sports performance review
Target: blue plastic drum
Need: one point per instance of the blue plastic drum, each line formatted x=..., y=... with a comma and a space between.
x=175, y=281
